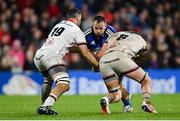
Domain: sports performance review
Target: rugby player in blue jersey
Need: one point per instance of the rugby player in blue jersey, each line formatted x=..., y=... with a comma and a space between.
x=96, y=37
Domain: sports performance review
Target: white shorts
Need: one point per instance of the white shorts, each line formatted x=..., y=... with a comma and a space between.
x=46, y=60
x=116, y=63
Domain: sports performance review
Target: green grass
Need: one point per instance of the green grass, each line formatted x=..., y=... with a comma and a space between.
x=87, y=107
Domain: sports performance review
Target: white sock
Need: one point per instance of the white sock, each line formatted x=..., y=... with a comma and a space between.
x=50, y=100
x=107, y=99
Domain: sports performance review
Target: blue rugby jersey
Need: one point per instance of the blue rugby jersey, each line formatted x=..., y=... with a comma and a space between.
x=95, y=43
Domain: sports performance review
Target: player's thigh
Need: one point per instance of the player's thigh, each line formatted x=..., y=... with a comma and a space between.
x=106, y=69
x=57, y=69
x=124, y=64
x=109, y=76
x=40, y=66
x=38, y=61
x=139, y=75
x=130, y=69
x=51, y=66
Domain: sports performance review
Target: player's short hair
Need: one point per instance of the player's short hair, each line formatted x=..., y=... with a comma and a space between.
x=73, y=13
x=99, y=18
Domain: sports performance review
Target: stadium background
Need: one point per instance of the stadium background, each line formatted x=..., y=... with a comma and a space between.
x=25, y=24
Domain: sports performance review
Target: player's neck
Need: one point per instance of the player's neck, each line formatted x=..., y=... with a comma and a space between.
x=72, y=20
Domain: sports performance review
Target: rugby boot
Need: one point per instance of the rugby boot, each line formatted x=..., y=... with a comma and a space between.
x=104, y=107
x=128, y=109
x=148, y=107
x=46, y=110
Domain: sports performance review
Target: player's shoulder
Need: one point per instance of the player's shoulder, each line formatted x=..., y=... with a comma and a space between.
x=111, y=29
x=128, y=33
x=88, y=31
x=69, y=25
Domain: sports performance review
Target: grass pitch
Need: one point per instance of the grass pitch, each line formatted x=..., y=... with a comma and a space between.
x=87, y=107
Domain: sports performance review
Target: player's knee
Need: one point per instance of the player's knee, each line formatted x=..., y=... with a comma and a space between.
x=117, y=97
x=62, y=81
x=67, y=87
x=146, y=81
x=64, y=86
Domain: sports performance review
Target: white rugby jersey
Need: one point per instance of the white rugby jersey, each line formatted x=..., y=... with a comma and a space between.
x=64, y=35
x=127, y=41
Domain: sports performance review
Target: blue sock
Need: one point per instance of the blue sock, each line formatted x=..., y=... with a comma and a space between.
x=126, y=102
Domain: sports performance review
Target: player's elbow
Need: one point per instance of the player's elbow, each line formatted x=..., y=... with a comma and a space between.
x=84, y=50
x=85, y=54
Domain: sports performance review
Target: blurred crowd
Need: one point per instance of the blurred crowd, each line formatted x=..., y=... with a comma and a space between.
x=25, y=24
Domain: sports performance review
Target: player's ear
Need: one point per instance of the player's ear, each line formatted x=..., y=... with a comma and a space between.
x=76, y=18
x=105, y=24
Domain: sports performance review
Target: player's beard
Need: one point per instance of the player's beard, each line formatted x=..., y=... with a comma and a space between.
x=99, y=35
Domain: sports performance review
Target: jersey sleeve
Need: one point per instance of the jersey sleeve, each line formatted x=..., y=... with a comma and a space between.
x=111, y=29
x=80, y=37
x=88, y=37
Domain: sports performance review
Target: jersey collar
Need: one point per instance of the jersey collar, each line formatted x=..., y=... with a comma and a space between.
x=71, y=20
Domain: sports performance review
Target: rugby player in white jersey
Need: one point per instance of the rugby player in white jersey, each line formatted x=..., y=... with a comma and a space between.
x=117, y=61
x=49, y=59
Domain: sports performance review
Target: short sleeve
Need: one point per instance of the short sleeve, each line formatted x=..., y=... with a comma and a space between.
x=80, y=37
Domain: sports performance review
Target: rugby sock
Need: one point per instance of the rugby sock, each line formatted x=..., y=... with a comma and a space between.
x=147, y=97
x=126, y=102
x=107, y=99
x=50, y=100
x=46, y=89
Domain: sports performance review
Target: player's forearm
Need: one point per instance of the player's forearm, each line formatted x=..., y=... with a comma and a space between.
x=91, y=59
x=101, y=51
x=99, y=55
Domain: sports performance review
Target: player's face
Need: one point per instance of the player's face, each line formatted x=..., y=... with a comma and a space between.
x=79, y=17
x=99, y=28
